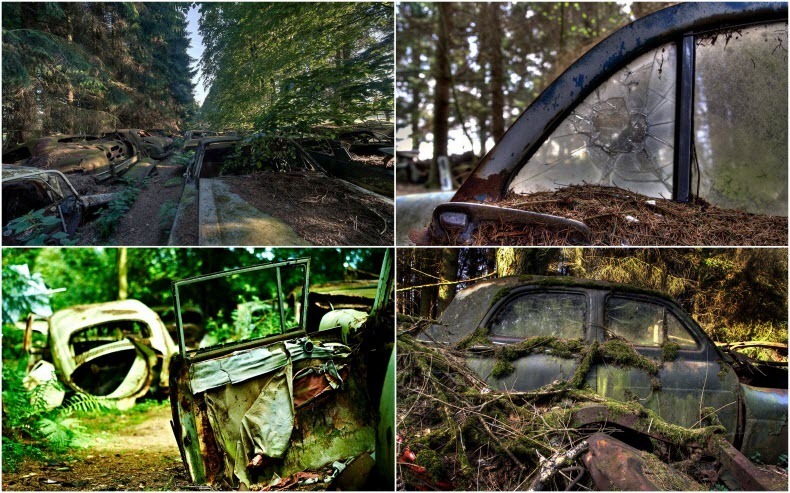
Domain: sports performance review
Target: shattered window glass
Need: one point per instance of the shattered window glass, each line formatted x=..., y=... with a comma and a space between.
x=740, y=123
x=620, y=135
x=645, y=324
x=545, y=314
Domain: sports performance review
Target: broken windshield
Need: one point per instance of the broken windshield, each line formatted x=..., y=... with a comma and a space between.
x=621, y=135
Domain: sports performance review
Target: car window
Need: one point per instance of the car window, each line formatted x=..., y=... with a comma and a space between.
x=622, y=134
x=643, y=323
x=540, y=314
x=740, y=121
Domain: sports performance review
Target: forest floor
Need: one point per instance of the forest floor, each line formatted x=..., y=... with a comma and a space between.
x=133, y=450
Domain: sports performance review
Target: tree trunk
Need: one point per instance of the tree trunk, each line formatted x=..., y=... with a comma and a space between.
x=497, y=84
x=448, y=271
x=513, y=261
x=441, y=115
x=123, y=268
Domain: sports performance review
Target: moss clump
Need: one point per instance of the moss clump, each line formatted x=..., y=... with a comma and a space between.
x=477, y=338
x=724, y=369
x=499, y=295
x=502, y=368
x=669, y=351
x=562, y=348
x=431, y=462
x=620, y=353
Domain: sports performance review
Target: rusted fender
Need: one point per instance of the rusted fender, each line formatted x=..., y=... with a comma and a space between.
x=749, y=476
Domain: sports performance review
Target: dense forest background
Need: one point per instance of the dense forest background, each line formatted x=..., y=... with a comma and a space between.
x=734, y=294
x=88, y=68
x=469, y=69
x=91, y=67
x=277, y=65
x=94, y=275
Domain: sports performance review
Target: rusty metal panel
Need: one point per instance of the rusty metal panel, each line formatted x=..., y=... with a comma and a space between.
x=765, y=428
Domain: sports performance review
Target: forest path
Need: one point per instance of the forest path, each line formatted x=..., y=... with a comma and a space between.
x=135, y=451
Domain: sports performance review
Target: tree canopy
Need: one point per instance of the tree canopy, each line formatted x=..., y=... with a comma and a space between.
x=279, y=65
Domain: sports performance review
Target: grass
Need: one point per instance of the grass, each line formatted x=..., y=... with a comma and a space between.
x=110, y=421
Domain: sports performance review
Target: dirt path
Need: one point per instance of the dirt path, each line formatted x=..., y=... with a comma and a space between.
x=149, y=220
x=138, y=453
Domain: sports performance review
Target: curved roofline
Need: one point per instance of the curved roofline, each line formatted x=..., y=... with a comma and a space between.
x=490, y=179
x=576, y=282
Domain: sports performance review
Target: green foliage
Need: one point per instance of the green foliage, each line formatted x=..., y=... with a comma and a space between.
x=182, y=158
x=115, y=210
x=35, y=229
x=167, y=213
x=277, y=65
x=261, y=152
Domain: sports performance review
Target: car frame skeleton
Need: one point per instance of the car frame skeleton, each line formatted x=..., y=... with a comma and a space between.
x=651, y=367
x=119, y=350
x=273, y=406
x=681, y=29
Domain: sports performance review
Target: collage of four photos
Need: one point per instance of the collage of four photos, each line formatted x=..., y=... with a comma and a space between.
x=394, y=246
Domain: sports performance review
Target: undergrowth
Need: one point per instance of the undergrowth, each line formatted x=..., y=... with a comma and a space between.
x=111, y=216
x=30, y=428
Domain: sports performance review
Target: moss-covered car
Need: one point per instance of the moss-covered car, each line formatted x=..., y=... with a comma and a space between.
x=284, y=399
x=542, y=335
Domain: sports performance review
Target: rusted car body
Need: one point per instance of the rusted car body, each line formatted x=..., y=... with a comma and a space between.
x=156, y=144
x=119, y=350
x=48, y=195
x=647, y=110
x=367, y=142
x=104, y=157
x=749, y=401
x=335, y=159
x=192, y=138
x=296, y=399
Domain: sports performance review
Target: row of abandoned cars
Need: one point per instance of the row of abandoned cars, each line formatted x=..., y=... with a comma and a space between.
x=49, y=186
x=300, y=387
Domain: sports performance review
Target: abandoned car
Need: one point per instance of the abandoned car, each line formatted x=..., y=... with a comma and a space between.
x=109, y=156
x=156, y=144
x=686, y=106
x=119, y=350
x=271, y=191
x=42, y=206
x=192, y=138
x=367, y=142
x=626, y=344
x=293, y=403
x=336, y=160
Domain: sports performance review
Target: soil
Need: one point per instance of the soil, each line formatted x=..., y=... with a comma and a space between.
x=322, y=210
x=143, y=224
x=141, y=456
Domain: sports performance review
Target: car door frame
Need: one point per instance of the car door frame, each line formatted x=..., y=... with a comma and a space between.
x=490, y=180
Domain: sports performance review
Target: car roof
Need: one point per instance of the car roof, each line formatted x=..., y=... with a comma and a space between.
x=490, y=179
x=470, y=305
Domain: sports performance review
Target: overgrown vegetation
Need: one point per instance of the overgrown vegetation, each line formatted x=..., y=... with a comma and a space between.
x=30, y=428
x=36, y=225
x=454, y=423
x=111, y=215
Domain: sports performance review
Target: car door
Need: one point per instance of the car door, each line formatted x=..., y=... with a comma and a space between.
x=551, y=314
x=692, y=380
x=254, y=407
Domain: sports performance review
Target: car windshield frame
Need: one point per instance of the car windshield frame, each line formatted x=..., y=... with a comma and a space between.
x=681, y=24
x=287, y=333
